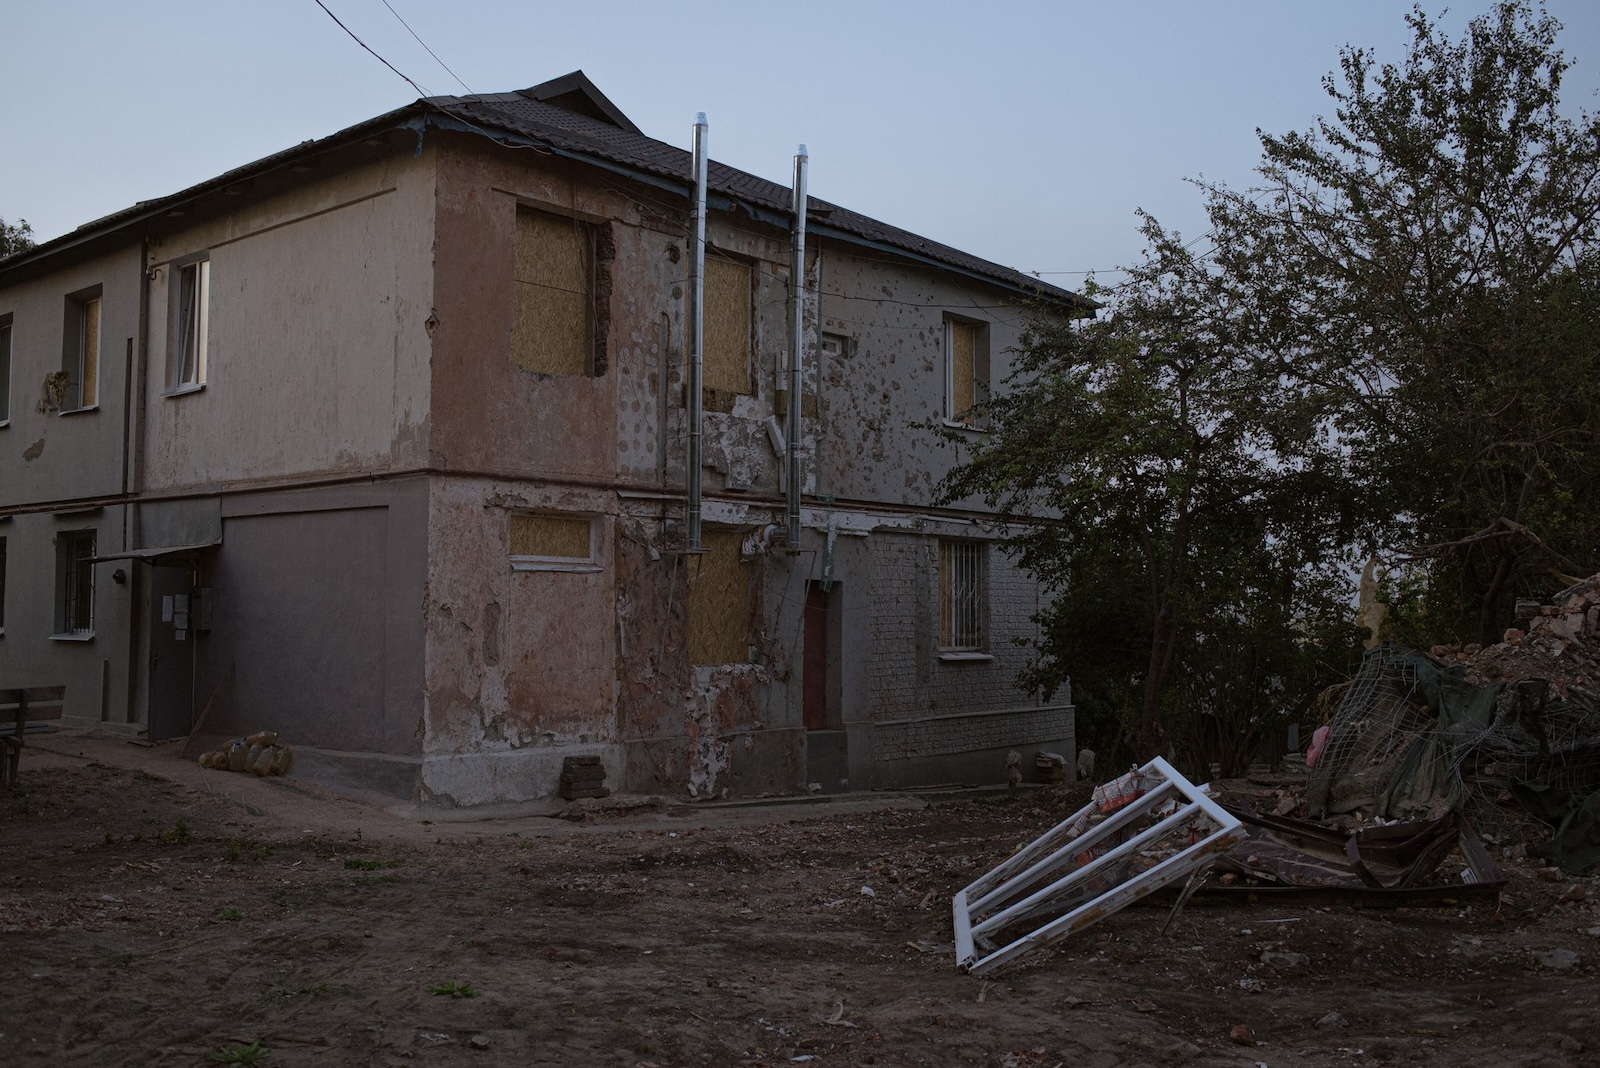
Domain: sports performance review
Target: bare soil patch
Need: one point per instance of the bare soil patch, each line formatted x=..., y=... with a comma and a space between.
x=147, y=917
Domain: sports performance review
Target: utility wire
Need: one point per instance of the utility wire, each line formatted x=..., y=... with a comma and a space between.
x=430, y=51
x=420, y=90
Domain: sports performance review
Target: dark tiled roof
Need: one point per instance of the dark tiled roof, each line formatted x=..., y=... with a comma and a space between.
x=570, y=115
x=533, y=114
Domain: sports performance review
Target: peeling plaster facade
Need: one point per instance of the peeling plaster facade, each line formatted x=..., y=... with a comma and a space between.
x=343, y=500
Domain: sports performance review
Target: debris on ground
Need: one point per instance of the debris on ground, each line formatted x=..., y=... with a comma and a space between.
x=259, y=753
x=1422, y=750
x=1489, y=732
x=685, y=935
x=1139, y=833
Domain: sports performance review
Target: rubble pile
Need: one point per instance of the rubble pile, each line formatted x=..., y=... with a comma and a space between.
x=1558, y=642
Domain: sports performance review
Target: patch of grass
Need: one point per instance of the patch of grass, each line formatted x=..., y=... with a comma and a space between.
x=305, y=991
x=232, y=915
x=371, y=865
x=145, y=776
x=234, y=1053
x=243, y=848
x=127, y=959
x=454, y=990
x=179, y=835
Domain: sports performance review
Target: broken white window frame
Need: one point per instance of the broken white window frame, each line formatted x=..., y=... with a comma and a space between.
x=1005, y=896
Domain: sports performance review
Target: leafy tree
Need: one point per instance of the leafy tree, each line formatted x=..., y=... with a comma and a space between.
x=1391, y=346
x=1184, y=479
x=16, y=237
x=1428, y=256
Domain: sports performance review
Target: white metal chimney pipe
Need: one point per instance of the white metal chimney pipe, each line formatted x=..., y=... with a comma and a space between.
x=797, y=333
x=697, y=333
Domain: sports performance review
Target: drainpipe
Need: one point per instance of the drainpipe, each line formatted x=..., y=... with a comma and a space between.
x=797, y=330
x=697, y=332
x=133, y=446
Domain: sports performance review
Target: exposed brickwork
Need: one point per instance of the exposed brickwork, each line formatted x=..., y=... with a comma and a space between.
x=909, y=676
x=944, y=735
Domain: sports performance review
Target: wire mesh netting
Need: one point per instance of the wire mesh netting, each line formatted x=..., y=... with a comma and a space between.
x=1413, y=739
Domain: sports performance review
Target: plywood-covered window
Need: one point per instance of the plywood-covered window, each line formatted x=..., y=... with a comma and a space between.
x=727, y=329
x=966, y=347
x=719, y=601
x=552, y=542
x=554, y=329
x=80, y=357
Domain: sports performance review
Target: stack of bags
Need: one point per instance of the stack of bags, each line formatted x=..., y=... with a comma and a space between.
x=258, y=753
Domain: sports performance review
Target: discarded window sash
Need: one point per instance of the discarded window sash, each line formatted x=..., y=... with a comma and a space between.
x=1093, y=864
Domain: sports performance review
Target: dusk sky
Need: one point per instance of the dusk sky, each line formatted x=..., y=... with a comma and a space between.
x=1026, y=132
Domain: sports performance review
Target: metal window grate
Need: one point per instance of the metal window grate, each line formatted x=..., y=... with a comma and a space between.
x=961, y=596
x=77, y=582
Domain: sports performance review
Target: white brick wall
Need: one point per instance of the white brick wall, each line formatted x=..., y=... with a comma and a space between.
x=944, y=735
x=909, y=677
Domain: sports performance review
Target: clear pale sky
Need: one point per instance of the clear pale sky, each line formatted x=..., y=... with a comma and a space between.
x=1024, y=132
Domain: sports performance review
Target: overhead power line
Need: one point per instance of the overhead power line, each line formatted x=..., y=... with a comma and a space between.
x=420, y=90
x=430, y=51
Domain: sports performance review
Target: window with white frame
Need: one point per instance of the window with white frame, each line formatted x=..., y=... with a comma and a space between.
x=75, y=583
x=186, y=333
x=966, y=369
x=544, y=542
x=80, y=351
x=961, y=596
x=5, y=369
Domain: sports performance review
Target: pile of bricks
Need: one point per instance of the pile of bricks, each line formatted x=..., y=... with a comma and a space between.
x=583, y=776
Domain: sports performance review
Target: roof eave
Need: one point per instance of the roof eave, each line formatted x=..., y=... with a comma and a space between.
x=30, y=261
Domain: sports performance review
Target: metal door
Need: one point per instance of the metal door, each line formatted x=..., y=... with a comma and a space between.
x=171, y=652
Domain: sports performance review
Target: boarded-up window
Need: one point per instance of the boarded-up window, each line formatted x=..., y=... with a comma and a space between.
x=553, y=332
x=727, y=330
x=719, y=602
x=551, y=543
x=961, y=596
x=961, y=350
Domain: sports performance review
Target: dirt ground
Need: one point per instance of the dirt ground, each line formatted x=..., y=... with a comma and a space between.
x=152, y=913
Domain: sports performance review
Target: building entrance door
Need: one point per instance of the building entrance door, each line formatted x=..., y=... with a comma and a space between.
x=172, y=597
x=827, y=755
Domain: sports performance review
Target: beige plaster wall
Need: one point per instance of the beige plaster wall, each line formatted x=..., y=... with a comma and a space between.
x=318, y=352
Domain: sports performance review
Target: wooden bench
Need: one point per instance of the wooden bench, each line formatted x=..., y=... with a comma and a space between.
x=18, y=708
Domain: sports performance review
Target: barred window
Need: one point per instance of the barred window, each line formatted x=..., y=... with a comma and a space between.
x=75, y=582
x=961, y=596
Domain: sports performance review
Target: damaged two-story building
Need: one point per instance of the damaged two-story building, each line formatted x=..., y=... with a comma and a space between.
x=380, y=442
